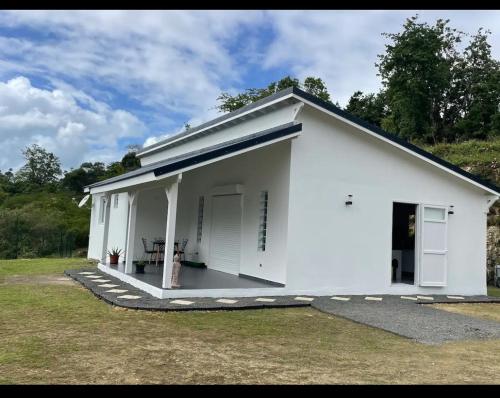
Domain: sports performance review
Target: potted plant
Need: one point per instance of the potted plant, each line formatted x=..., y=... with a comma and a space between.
x=114, y=255
x=139, y=267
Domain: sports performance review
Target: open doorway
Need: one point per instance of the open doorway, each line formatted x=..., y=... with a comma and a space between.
x=403, y=242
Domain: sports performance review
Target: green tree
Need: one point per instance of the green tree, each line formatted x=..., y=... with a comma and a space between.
x=416, y=72
x=88, y=173
x=42, y=168
x=478, y=90
x=312, y=85
x=369, y=107
x=130, y=161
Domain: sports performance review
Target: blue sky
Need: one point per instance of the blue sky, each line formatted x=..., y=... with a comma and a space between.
x=85, y=84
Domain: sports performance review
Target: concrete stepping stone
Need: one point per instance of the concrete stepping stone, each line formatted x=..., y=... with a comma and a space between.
x=226, y=301
x=340, y=298
x=108, y=285
x=129, y=297
x=300, y=298
x=101, y=280
x=369, y=298
x=455, y=297
x=265, y=300
x=92, y=276
x=86, y=273
x=425, y=298
x=117, y=291
x=409, y=298
x=182, y=302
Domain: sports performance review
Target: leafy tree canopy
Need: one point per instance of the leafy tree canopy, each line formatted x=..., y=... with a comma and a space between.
x=312, y=85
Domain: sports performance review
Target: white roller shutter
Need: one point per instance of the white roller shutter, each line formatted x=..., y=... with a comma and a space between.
x=225, y=235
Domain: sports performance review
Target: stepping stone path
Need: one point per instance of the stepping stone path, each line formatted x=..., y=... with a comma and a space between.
x=86, y=273
x=117, y=290
x=93, y=276
x=129, y=297
x=340, y=298
x=227, y=301
x=108, y=285
x=409, y=298
x=182, y=302
x=455, y=297
x=299, y=298
x=425, y=298
x=373, y=298
x=101, y=280
x=265, y=300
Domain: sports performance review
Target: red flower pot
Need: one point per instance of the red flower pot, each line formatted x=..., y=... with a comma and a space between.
x=113, y=259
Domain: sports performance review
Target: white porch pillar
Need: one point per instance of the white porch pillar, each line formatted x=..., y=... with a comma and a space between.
x=132, y=216
x=107, y=208
x=172, y=193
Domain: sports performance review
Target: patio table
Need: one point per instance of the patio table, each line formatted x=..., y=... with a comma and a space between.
x=159, y=247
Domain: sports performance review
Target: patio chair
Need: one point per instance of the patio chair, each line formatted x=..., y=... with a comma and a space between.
x=147, y=251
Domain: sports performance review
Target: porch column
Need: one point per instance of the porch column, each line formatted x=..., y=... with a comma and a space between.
x=104, y=248
x=172, y=193
x=132, y=216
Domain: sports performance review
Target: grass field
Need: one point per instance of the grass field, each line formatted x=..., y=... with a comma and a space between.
x=60, y=333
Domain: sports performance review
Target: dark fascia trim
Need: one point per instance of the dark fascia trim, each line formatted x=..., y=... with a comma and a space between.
x=156, y=146
x=227, y=149
x=254, y=278
x=377, y=130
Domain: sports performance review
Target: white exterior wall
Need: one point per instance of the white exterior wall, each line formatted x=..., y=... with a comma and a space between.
x=151, y=219
x=117, y=235
x=263, y=122
x=96, y=231
x=333, y=248
x=263, y=169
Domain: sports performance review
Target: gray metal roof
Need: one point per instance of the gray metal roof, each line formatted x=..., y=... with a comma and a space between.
x=212, y=152
x=219, y=121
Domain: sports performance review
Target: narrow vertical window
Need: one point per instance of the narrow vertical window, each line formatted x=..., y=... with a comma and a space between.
x=201, y=201
x=102, y=209
x=262, y=221
x=115, y=203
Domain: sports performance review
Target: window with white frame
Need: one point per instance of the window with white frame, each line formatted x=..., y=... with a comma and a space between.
x=201, y=202
x=261, y=244
x=102, y=210
x=115, y=202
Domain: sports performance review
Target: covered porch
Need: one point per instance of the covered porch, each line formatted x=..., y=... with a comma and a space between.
x=220, y=207
x=196, y=278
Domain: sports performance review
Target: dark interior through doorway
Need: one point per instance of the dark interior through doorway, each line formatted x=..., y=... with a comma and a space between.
x=403, y=242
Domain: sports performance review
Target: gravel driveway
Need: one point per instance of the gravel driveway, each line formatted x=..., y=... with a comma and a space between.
x=407, y=318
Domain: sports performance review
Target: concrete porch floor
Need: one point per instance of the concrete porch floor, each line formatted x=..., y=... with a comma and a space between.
x=195, y=278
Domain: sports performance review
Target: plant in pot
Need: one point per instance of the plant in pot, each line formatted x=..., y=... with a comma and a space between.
x=114, y=255
x=139, y=266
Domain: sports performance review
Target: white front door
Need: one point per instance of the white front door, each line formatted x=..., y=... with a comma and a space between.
x=433, y=245
x=225, y=234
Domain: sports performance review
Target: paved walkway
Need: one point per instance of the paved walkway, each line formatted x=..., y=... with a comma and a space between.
x=407, y=316
x=117, y=292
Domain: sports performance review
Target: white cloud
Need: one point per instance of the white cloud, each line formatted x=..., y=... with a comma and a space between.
x=172, y=61
x=55, y=120
x=168, y=67
x=342, y=46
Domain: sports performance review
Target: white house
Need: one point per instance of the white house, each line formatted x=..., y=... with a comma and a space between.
x=291, y=195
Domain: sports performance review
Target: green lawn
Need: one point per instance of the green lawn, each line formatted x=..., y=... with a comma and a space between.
x=52, y=333
x=493, y=291
x=39, y=266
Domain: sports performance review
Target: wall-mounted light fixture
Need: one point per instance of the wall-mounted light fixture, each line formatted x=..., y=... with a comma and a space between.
x=451, y=211
x=348, y=202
